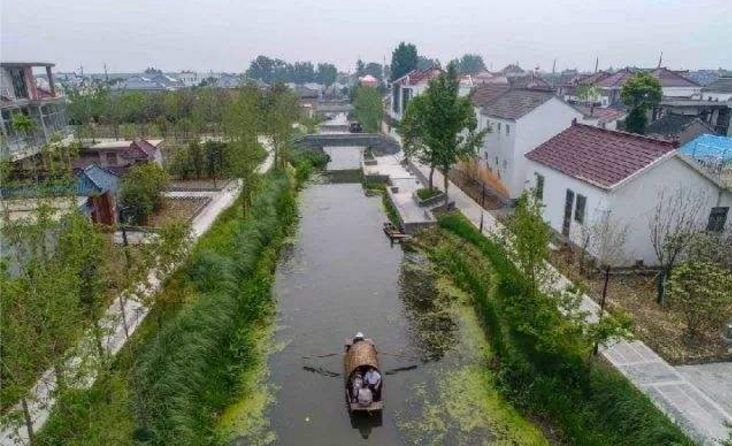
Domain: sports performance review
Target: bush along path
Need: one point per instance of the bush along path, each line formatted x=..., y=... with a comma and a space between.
x=698, y=415
x=190, y=357
x=539, y=364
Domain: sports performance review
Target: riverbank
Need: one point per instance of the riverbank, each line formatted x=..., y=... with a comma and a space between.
x=578, y=403
x=190, y=358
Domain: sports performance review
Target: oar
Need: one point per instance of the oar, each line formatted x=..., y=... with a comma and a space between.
x=325, y=355
x=399, y=355
x=322, y=371
x=399, y=369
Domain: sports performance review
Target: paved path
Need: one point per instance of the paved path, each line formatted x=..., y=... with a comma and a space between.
x=41, y=398
x=699, y=415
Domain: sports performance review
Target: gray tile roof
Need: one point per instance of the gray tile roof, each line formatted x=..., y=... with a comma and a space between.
x=721, y=85
x=516, y=103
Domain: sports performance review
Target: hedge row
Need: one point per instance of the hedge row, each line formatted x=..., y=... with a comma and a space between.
x=587, y=404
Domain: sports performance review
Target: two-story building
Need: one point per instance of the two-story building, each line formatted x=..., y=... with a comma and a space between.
x=30, y=113
x=518, y=120
x=408, y=86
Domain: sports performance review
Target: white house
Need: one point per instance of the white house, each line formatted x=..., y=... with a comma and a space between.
x=719, y=90
x=408, y=86
x=519, y=120
x=589, y=178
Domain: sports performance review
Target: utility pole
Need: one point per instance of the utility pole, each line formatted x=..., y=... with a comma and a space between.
x=660, y=59
x=597, y=63
x=106, y=75
x=554, y=66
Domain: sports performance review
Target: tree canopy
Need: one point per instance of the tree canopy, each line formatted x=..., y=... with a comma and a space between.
x=641, y=92
x=368, y=108
x=440, y=126
x=277, y=70
x=403, y=60
x=470, y=64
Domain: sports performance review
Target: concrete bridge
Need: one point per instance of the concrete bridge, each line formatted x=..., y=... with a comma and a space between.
x=379, y=144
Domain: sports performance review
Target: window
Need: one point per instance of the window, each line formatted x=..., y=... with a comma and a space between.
x=508, y=129
x=539, y=191
x=579, y=209
x=717, y=219
x=17, y=78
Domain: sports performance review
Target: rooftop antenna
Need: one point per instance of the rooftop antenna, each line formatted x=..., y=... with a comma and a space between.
x=554, y=66
x=660, y=59
x=597, y=63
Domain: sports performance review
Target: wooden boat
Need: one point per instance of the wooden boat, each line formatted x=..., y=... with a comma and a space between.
x=360, y=356
x=393, y=232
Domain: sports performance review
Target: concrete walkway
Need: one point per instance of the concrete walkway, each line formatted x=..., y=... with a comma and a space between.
x=702, y=418
x=117, y=325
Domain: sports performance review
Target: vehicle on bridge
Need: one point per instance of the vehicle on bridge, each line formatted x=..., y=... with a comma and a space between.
x=355, y=127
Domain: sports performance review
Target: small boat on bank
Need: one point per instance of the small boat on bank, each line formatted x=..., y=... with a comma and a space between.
x=360, y=363
x=393, y=232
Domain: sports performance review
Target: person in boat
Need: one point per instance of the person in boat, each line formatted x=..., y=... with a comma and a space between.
x=357, y=383
x=373, y=380
x=359, y=337
x=365, y=396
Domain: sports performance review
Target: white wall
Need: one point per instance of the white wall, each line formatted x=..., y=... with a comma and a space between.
x=681, y=92
x=498, y=147
x=533, y=129
x=636, y=201
x=555, y=191
x=630, y=205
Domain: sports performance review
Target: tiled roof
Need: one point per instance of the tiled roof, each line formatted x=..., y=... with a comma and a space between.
x=417, y=76
x=670, y=78
x=608, y=114
x=145, y=146
x=721, y=85
x=485, y=93
x=598, y=156
x=530, y=81
x=672, y=125
x=94, y=179
x=516, y=103
x=615, y=80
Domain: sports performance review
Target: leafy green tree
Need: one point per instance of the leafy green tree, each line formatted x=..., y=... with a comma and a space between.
x=141, y=190
x=368, y=108
x=403, y=60
x=641, y=92
x=360, y=68
x=280, y=109
x=424, y=62
x=326, y=74
x=470, y=64
x=702, y=291
x=444, y=124
x=241, y=126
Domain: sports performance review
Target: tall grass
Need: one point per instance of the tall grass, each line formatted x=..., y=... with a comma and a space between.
x=588, y=406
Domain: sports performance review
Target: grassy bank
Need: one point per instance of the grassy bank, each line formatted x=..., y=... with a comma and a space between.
x=195, y=355
x=581, y=404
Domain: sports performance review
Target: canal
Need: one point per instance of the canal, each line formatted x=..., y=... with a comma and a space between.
x=339, y=276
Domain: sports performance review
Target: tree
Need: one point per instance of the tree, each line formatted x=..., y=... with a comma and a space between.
x=604, y=240
x=327, y=74
x=403, y=60
x=702, y=292
x=368, y=108
x=360, y=68
x=241, y=126
x=443, y=124
x=141, y=190
x=641, y=92
x=470, y=64
x=279, y=111
x=672, y=226
x=424, y=63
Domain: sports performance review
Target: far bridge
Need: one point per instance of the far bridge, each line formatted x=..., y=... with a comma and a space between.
x=378, y=143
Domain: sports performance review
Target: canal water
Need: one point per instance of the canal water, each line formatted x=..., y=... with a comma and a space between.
x=341, y=275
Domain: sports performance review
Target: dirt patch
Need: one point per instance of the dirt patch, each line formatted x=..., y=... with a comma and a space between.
x=662, y=329
x=177, y=209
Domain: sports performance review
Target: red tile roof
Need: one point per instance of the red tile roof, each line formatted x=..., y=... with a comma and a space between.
x=147, y=148
x=598, y=156
x=415, y=77
x=670, y=78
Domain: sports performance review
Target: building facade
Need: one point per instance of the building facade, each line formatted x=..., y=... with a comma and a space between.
x=31, y=113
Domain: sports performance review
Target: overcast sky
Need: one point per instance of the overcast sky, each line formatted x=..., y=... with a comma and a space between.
x=130, y=35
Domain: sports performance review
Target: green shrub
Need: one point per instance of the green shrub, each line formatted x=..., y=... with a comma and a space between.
x=587, y=406
x=141, y=191
x=426, y=193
